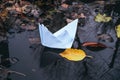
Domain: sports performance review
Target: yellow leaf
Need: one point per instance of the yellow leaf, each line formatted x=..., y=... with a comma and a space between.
x=102, y=18
x=73, y=54
x=118, y=31
x=107, y=19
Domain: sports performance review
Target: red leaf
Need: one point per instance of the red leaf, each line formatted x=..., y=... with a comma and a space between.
x=94, y=46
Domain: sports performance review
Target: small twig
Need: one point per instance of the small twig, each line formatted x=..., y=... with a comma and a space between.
x=7, y=71
x=19, y=73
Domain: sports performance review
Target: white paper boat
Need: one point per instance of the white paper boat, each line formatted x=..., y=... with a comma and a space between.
x=62, y=39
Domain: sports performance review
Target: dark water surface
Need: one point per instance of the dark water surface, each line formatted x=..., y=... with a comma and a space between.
x=19, y=47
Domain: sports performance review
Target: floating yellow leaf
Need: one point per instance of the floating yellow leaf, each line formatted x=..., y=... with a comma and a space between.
x=118, y=31
x=102, y=18
x=73, y=54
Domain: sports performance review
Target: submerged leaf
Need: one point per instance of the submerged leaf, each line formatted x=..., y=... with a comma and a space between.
x=105, y=38
x=118, y=31
x=94, y=46
x=73, y=54
x=102, y=18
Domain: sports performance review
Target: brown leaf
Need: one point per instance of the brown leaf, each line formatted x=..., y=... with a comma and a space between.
x=94, y=46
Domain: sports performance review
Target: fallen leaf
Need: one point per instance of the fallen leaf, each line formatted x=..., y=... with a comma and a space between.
x=102, y=18
x=118, y=31
x=94, y=46
x=73, y=54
